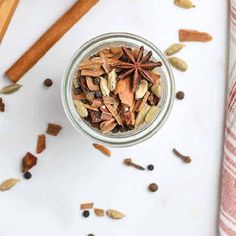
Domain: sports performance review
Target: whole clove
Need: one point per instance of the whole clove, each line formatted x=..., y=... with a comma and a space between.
x=128, y=162
x=186, y=159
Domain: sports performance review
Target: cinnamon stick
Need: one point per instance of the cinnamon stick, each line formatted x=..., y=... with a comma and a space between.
x=7, y=9
x=48, y=39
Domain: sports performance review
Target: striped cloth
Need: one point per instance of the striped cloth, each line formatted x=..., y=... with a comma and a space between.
x=227, y=221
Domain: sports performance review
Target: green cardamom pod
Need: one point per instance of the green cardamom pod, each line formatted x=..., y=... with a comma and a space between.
x=174, y=48
x=184, y=4
x=10, y=88
x=178, y=63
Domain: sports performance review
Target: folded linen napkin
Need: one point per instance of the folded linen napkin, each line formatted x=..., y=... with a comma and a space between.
x=228, y=188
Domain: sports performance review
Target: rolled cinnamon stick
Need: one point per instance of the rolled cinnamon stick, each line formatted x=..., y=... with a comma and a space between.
x=48, y=39
x=7, y=9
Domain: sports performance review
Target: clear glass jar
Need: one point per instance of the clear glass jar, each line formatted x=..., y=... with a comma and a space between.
x=134, y=136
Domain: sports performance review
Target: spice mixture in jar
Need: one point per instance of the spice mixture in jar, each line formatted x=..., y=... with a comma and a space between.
x=118, y=89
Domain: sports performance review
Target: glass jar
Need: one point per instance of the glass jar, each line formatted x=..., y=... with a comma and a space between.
x=130, y=137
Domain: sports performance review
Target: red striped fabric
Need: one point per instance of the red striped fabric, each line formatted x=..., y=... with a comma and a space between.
x=227, y=221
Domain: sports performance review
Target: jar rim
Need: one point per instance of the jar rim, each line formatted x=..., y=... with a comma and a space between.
x=79, y=124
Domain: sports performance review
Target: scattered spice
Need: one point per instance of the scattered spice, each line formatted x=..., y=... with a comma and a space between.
x=48, y=82
x=150, y=167
x=2, y=105
x=187, y=4
x=99, y=212
x=178, y=63
x=41, y=144
x=27, y=175
x=128, y=162
x=29, y=161
x=84, y=206
x=185, y=159
x=153, y=187
x=180, y=95
x=114, y=214
x=174, y=48
x=186, y=35
x=12, y=88
x=86, y=213
x=8, y=184
x=116, y=83
x=53, y=129
x=103, y=149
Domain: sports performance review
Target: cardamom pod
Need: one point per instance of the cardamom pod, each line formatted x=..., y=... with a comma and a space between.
x=156, y=90
x=83, y=112
x=141, y=116
x=112, y=80
x=10, y=88
x=103, y=86
x=142, y=89
x=114, y=214
x=9, y=183
x=178, y=63
x=151, y=114
x=174, y=48
x=184, y=4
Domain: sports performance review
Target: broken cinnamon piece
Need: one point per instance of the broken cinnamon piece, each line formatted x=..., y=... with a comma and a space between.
x=107, y=126
x=93, y=73
x=186, y=35
x=106, y=116
x=29, y=161
x=97, y=102
x=41, y=144
x=103, y=149
x=127, y=95
x=114, y=113
x=79, y=97
x=144, y=101
x=53, y=129
x=99, y=212
x=120, y=87
x=84, y=206
x=92, y=64
x=137, y=104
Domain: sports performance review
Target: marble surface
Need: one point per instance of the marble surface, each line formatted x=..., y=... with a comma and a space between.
x=70, y=171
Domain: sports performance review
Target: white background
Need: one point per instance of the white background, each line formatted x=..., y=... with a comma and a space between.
x=70, y=171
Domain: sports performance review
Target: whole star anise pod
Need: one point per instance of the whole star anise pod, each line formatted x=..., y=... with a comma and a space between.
x=139, y=67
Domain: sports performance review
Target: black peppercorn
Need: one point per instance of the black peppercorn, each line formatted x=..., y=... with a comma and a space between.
x=150, y=167
x=48, y=82
x=122, y=129
x=27, y=175
x=86, y=213
x=98, y=94
x=115, y=130
x=97, y=80
x=180, y=95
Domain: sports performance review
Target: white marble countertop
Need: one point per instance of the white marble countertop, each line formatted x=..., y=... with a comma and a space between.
x=70, y=171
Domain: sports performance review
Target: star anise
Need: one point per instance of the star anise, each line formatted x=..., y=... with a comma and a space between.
x=139, y=67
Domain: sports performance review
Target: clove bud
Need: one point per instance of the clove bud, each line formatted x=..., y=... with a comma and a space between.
x=128, y=162
x=186, y=159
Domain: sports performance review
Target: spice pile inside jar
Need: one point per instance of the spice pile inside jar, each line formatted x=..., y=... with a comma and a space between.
x=118, y=89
